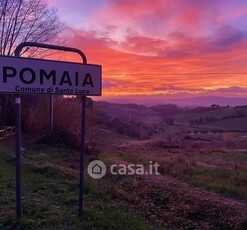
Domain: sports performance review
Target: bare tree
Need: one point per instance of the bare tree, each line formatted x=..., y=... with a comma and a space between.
x=27, y=20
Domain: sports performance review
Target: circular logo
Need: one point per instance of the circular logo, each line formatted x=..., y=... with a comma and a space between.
x=96, y=169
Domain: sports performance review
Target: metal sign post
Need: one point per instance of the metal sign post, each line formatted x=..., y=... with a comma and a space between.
x=18, y=154
x=82, y=152
x=47, y=78
x=51, y=115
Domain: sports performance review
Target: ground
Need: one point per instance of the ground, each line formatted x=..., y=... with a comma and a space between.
x=193, y=191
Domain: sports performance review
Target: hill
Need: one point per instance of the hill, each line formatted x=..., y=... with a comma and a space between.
x=184, y=101
x=201, y=181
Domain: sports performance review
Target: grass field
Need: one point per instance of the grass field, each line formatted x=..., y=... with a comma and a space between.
x=196, y=188
x=223, y=172
x=50, y=194
x=231, y=124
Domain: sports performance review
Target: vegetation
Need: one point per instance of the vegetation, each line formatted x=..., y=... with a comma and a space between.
x=50, y=195
x=22, y=21
x=27, y=20
x=202, y=181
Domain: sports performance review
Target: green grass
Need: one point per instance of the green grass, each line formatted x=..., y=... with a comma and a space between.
x=234, y=123
x=185, y=118
x=223, y=181
x=50, y=196
x=238, y=123
x=222, y=177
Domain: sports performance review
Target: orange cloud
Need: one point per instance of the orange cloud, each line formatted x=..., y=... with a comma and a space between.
x=163, y=47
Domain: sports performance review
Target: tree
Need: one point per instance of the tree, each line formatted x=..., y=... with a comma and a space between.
x=27, y=20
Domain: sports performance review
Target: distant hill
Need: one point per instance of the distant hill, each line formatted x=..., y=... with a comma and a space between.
x=216, y=115
x=186, y=101
x=209, y=100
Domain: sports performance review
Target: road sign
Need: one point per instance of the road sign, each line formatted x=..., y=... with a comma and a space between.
x=21, y=75
x=35, y=76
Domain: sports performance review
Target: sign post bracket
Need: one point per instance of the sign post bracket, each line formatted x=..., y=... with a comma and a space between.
x=18, y=126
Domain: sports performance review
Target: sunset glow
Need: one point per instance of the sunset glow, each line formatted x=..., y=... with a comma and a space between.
x=170, y=47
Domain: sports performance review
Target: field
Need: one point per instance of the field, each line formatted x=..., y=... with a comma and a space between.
x=50, y=194
x=202, y=181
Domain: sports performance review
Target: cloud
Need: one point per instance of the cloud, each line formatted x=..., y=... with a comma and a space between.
x=158, y=17
x=233, y=89
x=227, y=36
x=176, y=88
x=149, y=47
x=130, y=72
x=108, y=85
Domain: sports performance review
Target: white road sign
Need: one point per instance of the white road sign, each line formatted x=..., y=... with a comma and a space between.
x=35, y=76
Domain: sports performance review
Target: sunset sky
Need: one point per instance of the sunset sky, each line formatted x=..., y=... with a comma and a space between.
x=173, y=47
